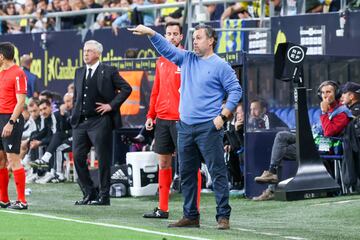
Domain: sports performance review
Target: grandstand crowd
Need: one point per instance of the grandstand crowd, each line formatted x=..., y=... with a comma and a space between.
x=131, y=16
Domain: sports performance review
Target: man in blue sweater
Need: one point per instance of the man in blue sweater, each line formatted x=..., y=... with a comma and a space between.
x=205, y=81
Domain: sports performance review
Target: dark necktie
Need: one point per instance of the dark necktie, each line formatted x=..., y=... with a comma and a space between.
x=89, y=75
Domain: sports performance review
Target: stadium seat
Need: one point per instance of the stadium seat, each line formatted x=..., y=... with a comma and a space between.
x=316, y=116
x=284, y=115
x=287, y=115
x=310, y=113
x=291, y=121
x=337, y=157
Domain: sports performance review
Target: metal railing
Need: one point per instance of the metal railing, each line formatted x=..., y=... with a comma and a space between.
x=188, y=6
x=90, y=13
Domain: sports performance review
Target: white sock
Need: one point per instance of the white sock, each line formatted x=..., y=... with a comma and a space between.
x=59, y=160
x=46, y=157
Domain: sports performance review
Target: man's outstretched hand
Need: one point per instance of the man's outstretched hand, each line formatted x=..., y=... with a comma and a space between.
x=142, y=30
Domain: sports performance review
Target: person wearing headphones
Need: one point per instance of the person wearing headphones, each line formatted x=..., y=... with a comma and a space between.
x=334, y=118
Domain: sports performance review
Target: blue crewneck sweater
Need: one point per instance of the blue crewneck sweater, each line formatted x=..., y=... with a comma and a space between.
x=204, y=82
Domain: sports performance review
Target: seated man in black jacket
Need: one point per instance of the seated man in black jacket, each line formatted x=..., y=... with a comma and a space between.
x=60, y=141
x=260, y=118
x=63, y=131
x=42, y=136
x=48, y=126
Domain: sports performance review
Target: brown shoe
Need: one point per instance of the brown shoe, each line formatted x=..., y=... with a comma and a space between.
x=185, y=222
x=266, y=195
x=223, y=224
x=267, y=177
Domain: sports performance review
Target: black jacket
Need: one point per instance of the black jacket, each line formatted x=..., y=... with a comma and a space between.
x=351, y=158
x=111, y=86
x=49, y=126
x=355, y=109
x=273, y=121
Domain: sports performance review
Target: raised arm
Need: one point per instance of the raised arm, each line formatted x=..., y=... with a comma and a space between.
x=164, y=47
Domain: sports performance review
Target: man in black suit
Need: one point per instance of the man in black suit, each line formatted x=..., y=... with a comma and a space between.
x=99, y=92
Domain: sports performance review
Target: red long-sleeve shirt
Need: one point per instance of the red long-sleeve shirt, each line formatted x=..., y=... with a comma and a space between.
x=165, y=96
x=336, y=125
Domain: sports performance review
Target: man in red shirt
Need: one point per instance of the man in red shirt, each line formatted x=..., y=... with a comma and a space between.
x=164, y=107
x=334, y=119
x=12, y=99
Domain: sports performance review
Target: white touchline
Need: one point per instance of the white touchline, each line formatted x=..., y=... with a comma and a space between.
x=105, y=225
x=269, y=234
x=262, y=233
x=336, y=202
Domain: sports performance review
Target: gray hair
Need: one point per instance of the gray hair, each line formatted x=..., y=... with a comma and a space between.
x=98, y=46
x=209, y=31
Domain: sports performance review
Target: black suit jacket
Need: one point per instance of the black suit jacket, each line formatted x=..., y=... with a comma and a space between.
x=110, y=85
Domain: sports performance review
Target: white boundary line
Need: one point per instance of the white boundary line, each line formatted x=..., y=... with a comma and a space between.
x=337, y=202
x=104, y=225
x=269, y=234
x=143, y=230
x=263, y=233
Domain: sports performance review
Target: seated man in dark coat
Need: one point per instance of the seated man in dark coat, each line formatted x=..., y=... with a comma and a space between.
x=260, y=118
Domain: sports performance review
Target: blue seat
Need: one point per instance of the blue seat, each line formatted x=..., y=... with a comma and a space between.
x=287, y=115
x=316, y=116
x=311, y=113
x=291, y=121
x=278, y=111
x=284, y=114
x=273, y=109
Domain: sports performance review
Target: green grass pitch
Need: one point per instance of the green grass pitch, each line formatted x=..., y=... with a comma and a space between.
x=52, y=215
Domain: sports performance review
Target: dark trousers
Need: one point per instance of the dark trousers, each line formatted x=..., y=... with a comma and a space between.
x=56, y=140
x=95, y=132
x=194, y=143
x=284, y=147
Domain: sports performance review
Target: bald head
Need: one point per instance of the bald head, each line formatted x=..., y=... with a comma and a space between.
x=68, y=101
x=25, y=60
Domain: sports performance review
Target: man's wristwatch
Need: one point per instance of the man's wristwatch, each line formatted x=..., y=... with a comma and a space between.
x=223, y=117
x=12, y=122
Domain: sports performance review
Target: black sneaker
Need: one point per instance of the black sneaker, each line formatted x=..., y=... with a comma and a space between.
x=39, y=163
x=18, y=206
x=157, y=213
x=4, y=204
